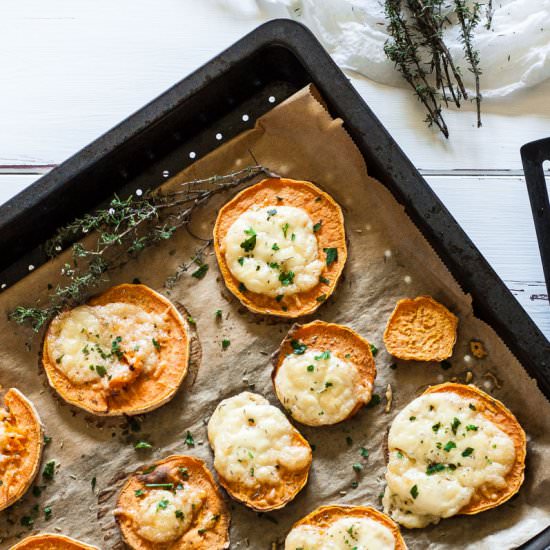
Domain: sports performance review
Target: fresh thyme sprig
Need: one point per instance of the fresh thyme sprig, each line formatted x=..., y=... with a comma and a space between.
x=420, y=54
x=110, y=237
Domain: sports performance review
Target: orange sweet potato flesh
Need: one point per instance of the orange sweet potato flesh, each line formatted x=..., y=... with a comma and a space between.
x=144, y=393
x=324, y=516
x=49, y=541
x=421, y=329
x=321, y=207
x=214, y=537
x=498, y=414
x=17, y=476
x=342, y=341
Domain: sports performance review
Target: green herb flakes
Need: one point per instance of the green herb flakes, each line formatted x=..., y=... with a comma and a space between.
x=331, y=255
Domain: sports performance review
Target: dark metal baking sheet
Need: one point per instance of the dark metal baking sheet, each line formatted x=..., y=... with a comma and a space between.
x=262, y=69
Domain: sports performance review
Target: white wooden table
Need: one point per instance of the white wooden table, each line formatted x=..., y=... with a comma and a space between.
x=71, y=70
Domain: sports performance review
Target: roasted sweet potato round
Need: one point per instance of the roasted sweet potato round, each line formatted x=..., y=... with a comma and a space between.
x=281, y=246
x=124, y=352
x=21, y=443
x=175, y=503
x=421, y=329
x=468, y=456
x=261, y=459
x=350, y=525
x=323, y=373
x=47, y=541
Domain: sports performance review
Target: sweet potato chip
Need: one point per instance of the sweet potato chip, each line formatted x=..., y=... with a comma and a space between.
x=47, y=541
x=421, y=329
x=330, y=341
x=329, y=231
x=141, y=391
x=207, y=528
x=324, y=516
x=21, y=444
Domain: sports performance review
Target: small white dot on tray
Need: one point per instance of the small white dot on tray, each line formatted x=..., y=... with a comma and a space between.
x=245, y=118
x=139, y=192
x=271, y=99
x=219, y=136
x=165, y=173
x=31, y=267
x=467, y=358
x=387, y=253
x=4, y=285
x=192, y=155
x=407, y=279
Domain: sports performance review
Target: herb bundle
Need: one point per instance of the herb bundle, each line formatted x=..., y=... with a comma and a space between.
x=419, y=52
x=120, y=232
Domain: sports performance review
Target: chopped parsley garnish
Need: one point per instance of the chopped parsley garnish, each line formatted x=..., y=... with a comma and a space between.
x=414, y=491
x=436, y=427
x=332, y=255
x=200, y=272
x=321, y=298
x=399, y=454
x=93, y=483
x=163, y=504
x=179, y=514
x=242, y=287
x=271, y=212
x=299, y=348
x=293, y=237
x=248, y=244
x=467, y=451
x=275, y=247
x=324, y=280
x=27, y=521
x=218, y=314
x=47, y=512
x=328, y=385
x=159, y=485
x=274, y=265
x=449, y=445
x=412, y=418
x=434, y=467
x=325, y=355
x=286, y=277
x=101, y=370
x=285, y=229
x=49, y=470
x=310, y=368
x=189, y=441
x=357, y=467
x=354, y=484
x=47, y=440
x=115, y=347
x=279, y=297
x=317, y=227
x=472, y=406
x=364, y=452
x=59, y=359
x=375, y=400
x=143, y=445
x=241, y=260
x=456, y=423
x=225, y=343
x=373, y=350
x=471, y=428
x=184, y=472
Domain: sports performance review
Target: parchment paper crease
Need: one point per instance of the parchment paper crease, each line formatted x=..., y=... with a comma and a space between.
x=389, y=259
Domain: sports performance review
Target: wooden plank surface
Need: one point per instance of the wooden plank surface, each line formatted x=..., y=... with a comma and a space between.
x=71, y=70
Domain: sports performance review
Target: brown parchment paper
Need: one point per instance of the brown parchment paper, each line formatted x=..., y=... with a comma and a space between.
x=388, y=260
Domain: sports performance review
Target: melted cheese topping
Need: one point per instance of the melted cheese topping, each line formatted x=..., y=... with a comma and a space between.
x=164, y=516
x=343, y=534
x=273, y=250
x=441, y=452
x=12, y=442
x=252, y=441
x=319, y=388
x=110, y=344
